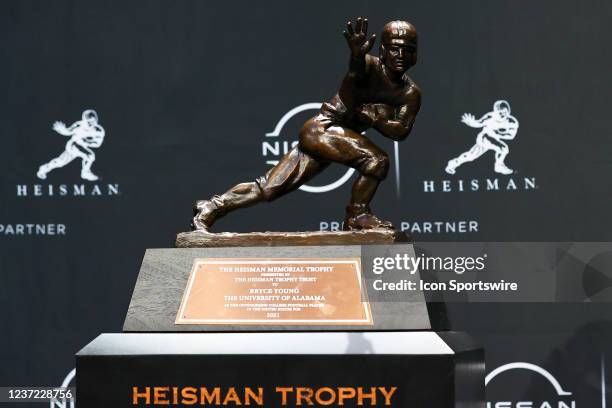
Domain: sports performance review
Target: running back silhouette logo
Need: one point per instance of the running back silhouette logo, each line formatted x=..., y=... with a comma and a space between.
x=85, y=135
x=495, y=130
x=81, y=139
x=497, y=127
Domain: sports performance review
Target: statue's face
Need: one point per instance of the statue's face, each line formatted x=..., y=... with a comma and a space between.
x=501, y=112
x=398, y=55
x=398, y=46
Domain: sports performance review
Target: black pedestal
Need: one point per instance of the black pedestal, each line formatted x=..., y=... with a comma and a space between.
x=398, y=361
x=397, y=369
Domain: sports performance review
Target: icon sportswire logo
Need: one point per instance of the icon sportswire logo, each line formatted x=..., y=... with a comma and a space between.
x=275, y=146
x=85, y=135
x=496, y=127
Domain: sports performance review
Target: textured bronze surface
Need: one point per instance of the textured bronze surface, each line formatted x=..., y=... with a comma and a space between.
x=205, y=239
x=376, y=93
x=275, y=291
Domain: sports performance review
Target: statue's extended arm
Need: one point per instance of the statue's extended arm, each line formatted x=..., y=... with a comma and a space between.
x=359, y=45
x=471, y=121
x=61, y=128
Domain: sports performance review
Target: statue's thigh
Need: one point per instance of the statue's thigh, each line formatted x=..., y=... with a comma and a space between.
x=342, y=145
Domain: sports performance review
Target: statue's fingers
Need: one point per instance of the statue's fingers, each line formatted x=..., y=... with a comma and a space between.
x=347, y=36
x=349, y=28
x=371, y=42
x=364, y=27
x=359, y=25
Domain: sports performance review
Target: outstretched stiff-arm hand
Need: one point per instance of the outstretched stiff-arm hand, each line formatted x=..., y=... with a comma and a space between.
x=359, y=44
x=471, y=121
x=60, y=127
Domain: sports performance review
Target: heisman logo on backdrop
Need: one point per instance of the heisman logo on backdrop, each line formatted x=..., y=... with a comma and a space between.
x=496, y=131
x=84, y=137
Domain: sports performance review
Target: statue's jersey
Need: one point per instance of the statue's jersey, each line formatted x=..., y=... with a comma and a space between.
x=500, y=129
x=87, y=136
x=374, y=88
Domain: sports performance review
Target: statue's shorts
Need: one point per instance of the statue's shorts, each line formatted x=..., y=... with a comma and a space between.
x=323, y=141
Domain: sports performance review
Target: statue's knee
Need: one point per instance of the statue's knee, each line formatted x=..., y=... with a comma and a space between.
x=268, y=194
x=376, y=166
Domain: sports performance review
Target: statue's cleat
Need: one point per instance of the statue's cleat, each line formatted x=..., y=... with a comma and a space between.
x=89, y=176
x=197, y=225
x=205, y=213
x=450, y=169
x=41, y=174
x=366, y=221
x=503, y=169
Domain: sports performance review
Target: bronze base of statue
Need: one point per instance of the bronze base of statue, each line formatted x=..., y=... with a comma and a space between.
x=204, y=239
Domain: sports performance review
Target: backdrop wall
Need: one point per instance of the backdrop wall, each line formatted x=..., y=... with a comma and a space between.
x=187, y=91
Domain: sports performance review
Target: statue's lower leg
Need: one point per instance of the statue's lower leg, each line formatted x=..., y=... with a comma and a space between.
x=358, y=213
x=206, y=212
x=500, y=165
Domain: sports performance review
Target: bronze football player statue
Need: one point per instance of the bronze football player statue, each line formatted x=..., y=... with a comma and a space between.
x=375, y=93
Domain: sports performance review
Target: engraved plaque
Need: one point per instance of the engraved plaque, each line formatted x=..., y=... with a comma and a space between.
x=275, y=291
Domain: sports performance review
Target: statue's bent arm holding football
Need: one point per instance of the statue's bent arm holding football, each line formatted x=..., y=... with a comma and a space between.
x=376, y=93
